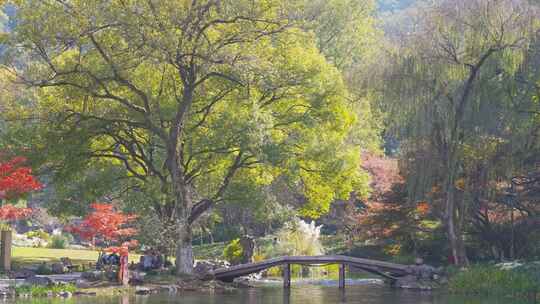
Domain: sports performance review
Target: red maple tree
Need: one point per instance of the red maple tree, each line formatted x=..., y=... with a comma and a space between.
x=15, y=181
x=108, y=225
x=387, y=213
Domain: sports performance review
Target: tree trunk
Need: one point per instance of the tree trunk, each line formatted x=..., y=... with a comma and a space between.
x=513, y=236
x=455, y=237
x=453, y=231
x=181, y=188
x=451, y=226
x=453, y=223
x=184, y=249
x=183, y=205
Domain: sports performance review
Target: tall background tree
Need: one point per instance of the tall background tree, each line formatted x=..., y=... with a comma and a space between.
x=453, y=94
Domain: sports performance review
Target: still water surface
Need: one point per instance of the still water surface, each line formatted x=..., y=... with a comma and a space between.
x=303, y=294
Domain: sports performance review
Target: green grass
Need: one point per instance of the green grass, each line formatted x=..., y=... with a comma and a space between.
x=23, y=256
x=39, y=255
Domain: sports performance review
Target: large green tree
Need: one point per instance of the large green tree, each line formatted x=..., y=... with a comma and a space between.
x=187, y=97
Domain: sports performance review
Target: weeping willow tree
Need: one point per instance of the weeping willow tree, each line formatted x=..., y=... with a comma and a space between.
x=443, y=92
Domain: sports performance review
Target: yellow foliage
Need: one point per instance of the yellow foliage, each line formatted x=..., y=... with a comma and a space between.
x=393, y=250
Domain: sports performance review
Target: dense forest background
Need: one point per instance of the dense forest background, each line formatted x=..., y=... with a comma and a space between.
x=405, y=128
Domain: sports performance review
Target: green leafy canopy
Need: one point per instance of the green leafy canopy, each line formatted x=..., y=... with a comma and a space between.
x=257, y=98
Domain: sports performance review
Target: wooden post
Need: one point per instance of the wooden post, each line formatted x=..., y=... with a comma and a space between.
x=287, y=276
x=341, y=276
x=123, y=271
x=5, y=250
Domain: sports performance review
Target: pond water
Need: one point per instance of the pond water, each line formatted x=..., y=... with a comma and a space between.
x=301, y=294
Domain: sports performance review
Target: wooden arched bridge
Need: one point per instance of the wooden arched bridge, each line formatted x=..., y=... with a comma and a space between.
x=387, y=270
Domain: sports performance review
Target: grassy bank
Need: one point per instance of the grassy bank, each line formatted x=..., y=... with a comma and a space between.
x=44, y=291
x=518, y=281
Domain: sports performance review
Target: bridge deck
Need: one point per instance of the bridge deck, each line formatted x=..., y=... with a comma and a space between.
x=385, y=269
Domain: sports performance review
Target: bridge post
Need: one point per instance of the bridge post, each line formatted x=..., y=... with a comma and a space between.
x=341, y=276
x=287, y=276
x=5, y=250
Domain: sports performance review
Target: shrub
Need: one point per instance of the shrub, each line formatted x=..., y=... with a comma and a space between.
x=39, y=234
x=59, y=242
x=531, y=269
x=63, y=288
x=33, y=290
x=259, y=257
x=43, y=269
x=233, y=252
x=274, y=272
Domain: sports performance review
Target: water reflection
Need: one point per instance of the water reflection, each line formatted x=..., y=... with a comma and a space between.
x=343, y=298
x=300, y=294
x=286, y=296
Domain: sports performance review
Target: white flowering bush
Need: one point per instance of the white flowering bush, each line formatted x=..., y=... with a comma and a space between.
x=299, y=238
